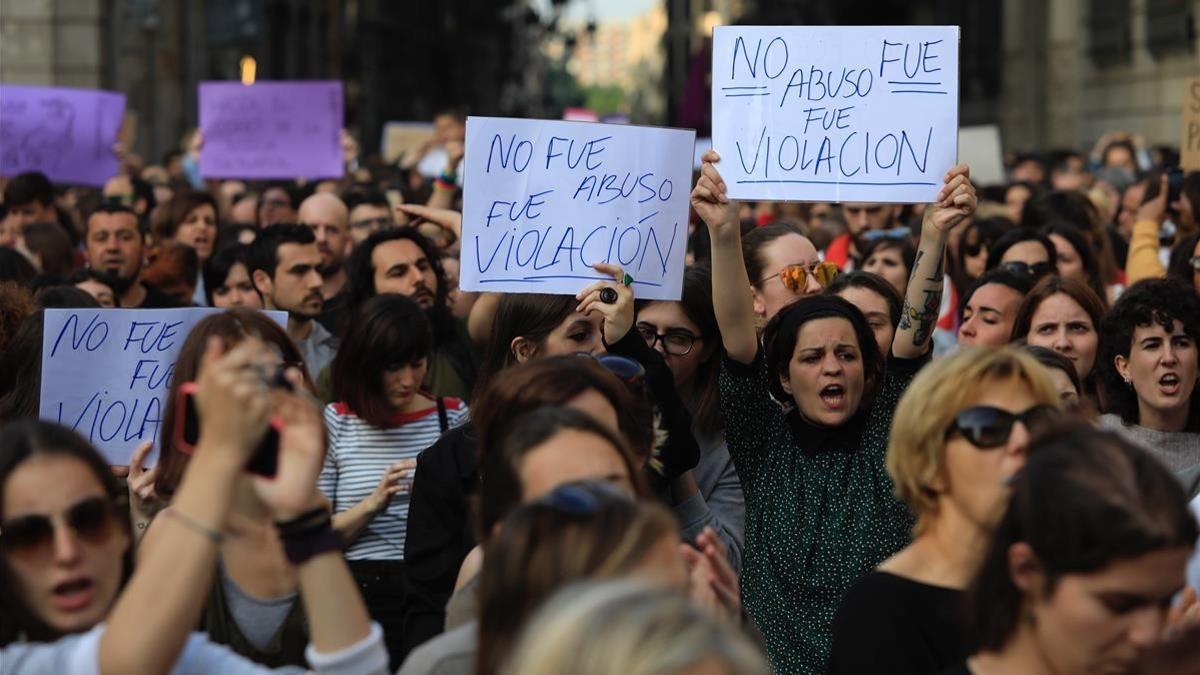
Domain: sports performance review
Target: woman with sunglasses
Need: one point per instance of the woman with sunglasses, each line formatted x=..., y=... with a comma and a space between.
x=685, y=333
x=1084, y=586
x=782, y=265
x=960, y=433
x=1064, y=315
x=1148, y=361
x=64, y=548
x=819, y=505
x=1025, y=251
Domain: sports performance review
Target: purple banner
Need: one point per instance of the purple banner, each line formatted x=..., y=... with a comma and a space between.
x=67, y=134
x=271, y=129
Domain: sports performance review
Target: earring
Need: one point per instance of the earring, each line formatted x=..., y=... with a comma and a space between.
x=1128, y=382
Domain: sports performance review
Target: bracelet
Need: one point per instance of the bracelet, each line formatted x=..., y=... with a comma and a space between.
x=213, y=535
x=307, y=529
x=440, y=183
x=300, y=549
x=301, y=521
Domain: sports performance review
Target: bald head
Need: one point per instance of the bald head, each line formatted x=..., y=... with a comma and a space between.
x=329, y=219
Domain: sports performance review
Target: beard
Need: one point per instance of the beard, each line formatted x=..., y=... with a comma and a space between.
x=118, y=283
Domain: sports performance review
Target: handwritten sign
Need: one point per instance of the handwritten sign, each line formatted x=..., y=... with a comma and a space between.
x=271, y=129
x=400, y=138
x=67, y=134
x=835, y=113
x=1189, y=146
x=106, y=372
x=543, y=200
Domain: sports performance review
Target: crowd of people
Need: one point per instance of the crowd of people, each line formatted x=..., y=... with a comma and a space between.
x=954, y=437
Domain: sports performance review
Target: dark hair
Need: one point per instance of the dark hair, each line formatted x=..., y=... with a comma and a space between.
x=697, y=305
x=264, y=252
x=20, y=441
x=1016, y=236
x=458, y=112
x=1119, y=144
x=501, y=490
x=1053, y=285
x=360, y=275
x=63, y=296
x=178, y=208
x=356, y=197
x=231, y=326
x=758, y=239
x=53, y=246
x=871, y=282
x=217, y=269
x=1180, y=266
x=1146, y=303
x=545, y=545
x=1112, y=502
x=16, y=304
x=907, y=253
x=29, y=187
x=987, y=231
x=1078, y=239
x=1052, y=359
x=387, y=332
x=530, y=315
x=21, y=370
x=1059, y=206
x=779, y=340
x=176, y=265
x=1021, y=283
x=14, y=266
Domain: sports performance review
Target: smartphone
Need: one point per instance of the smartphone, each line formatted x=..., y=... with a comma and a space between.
x=1174, y=185
x=264, y=461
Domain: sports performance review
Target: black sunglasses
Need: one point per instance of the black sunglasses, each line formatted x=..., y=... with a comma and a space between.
x=580, y=500
x=989, y=427
x=1036, y=270
x=91, y=519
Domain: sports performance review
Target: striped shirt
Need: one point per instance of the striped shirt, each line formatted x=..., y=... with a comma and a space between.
x=359, y=454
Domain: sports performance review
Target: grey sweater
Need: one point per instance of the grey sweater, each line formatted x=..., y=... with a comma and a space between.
x=1178, y=450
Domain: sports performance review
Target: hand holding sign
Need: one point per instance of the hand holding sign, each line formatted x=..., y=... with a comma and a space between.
x=955, y=201
x=618, y=312
x=710, y=197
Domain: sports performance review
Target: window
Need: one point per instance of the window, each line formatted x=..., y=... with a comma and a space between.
x=1110, y=40
x=1170, y=27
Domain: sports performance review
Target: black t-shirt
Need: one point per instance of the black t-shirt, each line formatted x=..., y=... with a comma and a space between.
x=890, y=624
x=156, y=299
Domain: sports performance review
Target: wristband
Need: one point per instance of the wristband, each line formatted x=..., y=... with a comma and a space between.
x=299, y=549
x=302, y=521
x=213, y=535
x=442, y=183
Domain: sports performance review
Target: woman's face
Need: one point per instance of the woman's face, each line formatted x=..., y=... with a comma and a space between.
x=1014, y=201
x=826, y=376
x=879, y=317
x=1070, y=265
x=771, y=295
x=1102, y=622
x=577, y=333
x=1030, y=252
x=889, y=264
x=71, y=582
x=103, y=293
x=1068, y=395
x=1161, y=368
x=199, y=230
x=401, y=385
x=974, y=480
x=975, y=264
x=669, y=320
x=989, y=316
x=1061, y=324
x=237, y=291
x=568, y=456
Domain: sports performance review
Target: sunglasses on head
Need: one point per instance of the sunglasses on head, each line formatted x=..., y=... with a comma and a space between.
x=1036, y=270
x=795, y=277
x=989, y=427
x=26, y=536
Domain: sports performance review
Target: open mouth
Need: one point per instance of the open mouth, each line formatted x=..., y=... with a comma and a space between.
x=1169, y=384
x=74, y=594
x=833, y=396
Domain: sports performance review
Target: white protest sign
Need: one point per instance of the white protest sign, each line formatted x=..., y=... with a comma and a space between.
x=835, y=113
x=980, y=148
x=544, y=200
x=106, y=372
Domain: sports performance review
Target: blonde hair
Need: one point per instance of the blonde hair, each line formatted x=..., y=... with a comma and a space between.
x=627, y=628
x=916, y=451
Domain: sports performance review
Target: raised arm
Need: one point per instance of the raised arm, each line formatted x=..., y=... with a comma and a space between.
x=955, y=203
x=731, y=286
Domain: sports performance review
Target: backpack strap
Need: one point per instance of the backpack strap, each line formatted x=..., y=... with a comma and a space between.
x=443, y=419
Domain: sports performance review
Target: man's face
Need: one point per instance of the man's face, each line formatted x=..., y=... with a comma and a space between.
x=114, y=245
x=276, y=208
x=296, y=286
x=21, y=215
x=448, y=128
x=119, y=190
x=327, y=217
x=864, y=217
x=401, y=267
x=366, y=219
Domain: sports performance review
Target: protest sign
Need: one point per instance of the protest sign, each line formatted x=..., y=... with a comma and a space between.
x=979, y=147
x=67, y=134
x=106, y=372
x=835, y=113
x=271, y=129
x=1189, y=146
x=403, y=137
x=544, y=200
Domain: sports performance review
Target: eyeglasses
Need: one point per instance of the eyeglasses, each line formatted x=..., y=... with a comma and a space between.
x=795, y=277
x=372, y=223
x=28, y=536
x=675, y=342
x=988, y=427
x=1036, y=270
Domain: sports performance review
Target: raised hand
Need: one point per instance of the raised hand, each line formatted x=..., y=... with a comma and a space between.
x=956, y=201
x=447, y=219
x=709, y=197
x=232, y=399
x=713, y=584
x=293, y=488
x=618, y=316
